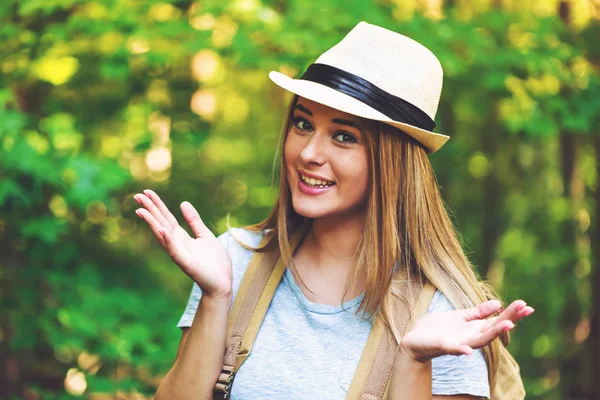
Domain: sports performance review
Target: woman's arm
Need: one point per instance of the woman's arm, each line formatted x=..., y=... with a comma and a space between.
x=200, y=356
x=416, y=380
x=204, y=259
x=452, y=332
x=410, y=379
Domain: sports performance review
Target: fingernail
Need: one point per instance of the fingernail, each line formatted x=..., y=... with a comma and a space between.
x=146, y=192
x=138, y=213
x=136, y=198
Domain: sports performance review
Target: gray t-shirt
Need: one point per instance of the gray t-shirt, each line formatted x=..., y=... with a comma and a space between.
x=306, y=350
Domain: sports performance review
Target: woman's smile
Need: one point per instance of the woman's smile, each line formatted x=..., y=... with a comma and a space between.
x=312, y=186
x=315, y=180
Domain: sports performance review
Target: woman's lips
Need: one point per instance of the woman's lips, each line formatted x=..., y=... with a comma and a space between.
x=310, y=190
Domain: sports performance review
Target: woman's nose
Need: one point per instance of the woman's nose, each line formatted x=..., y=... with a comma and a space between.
x=314, y=150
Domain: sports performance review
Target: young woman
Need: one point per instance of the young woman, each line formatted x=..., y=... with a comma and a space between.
x=354, y=169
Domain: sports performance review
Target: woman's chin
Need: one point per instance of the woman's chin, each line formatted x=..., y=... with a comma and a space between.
x=309, y=210
x=309, y=213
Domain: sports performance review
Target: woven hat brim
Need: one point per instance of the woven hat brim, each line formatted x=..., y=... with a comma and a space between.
x=332, y=98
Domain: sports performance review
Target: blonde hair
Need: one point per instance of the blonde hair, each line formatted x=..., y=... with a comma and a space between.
x=406, y=225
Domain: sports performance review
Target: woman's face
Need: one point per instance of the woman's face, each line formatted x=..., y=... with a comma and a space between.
x=327, y=148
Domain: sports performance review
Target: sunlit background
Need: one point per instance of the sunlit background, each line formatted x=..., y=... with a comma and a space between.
x=101, y=99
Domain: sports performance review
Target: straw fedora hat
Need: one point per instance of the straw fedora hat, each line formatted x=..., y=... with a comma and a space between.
x=377, y=74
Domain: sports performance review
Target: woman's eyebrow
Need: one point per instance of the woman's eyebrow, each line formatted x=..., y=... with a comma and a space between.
x=304, y=109
x=339, y=121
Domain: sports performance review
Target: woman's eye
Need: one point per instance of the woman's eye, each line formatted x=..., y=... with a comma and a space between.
x=345, y=138
x=302, y=124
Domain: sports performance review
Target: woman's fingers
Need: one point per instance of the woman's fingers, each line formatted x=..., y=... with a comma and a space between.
x=152, y=209
x=525, y=312
x=459, y=332
x=482, y=311
x=515, y=311
x=162, y=207
x=506, y=321
x=492, y=328
x=169, y=244
x=485, y=335
x=462, y=349
x=194, y=221
x=154, y=225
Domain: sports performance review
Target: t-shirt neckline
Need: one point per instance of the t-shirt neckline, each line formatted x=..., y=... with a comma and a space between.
x=318, y=308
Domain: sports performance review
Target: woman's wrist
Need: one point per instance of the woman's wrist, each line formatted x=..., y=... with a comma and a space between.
x=407, y=360
x=223, y=293
x=217, y=301
x=411, y=378
x=408, y=355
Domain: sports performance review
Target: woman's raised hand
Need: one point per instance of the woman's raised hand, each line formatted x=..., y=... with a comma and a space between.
x=460, y=331
x=203, y=258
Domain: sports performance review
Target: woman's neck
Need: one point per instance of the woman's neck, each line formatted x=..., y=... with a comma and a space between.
x=332, y=243
x=335, y=240
x=324, y=259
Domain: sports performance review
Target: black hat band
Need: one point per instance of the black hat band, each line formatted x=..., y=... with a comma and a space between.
x=354, y=86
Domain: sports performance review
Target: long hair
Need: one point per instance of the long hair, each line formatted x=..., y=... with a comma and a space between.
x=408, y=236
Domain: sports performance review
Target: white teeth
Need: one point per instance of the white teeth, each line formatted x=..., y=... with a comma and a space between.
x=315, y=182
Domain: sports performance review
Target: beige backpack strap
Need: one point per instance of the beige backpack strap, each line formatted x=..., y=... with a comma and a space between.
x=249, y=308
x=509, y=384
x=371, y=379
x=239, y=317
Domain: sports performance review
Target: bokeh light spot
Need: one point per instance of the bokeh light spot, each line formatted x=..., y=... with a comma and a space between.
x=138, y=45
x=110, y=146
x=88, y=362
x=204, y=103
x=58, y=206
x=234, y=192
x=582, y=331
x=56, y=70
x=479, y=165
x=224, y=31
x=541, y=346
x=158, y=159
x=96, y=212
x=37, y=141
x=163, y=12
x=205, y=65
x=75, y=383
x=203, y=22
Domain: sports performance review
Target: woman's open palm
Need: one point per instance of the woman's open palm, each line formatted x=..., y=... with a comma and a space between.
x=458, y=332
x=203, y=258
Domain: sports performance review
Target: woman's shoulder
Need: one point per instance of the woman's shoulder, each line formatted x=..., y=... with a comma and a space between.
x=239, y=243
x=457, y=374
x=241, y=239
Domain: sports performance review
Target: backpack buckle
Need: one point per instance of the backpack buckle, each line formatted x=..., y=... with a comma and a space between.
x=223, y=385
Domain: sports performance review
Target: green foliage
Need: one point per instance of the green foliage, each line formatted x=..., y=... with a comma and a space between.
x=101, y=99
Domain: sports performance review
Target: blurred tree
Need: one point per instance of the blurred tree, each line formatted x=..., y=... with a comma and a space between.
x=100, y=99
